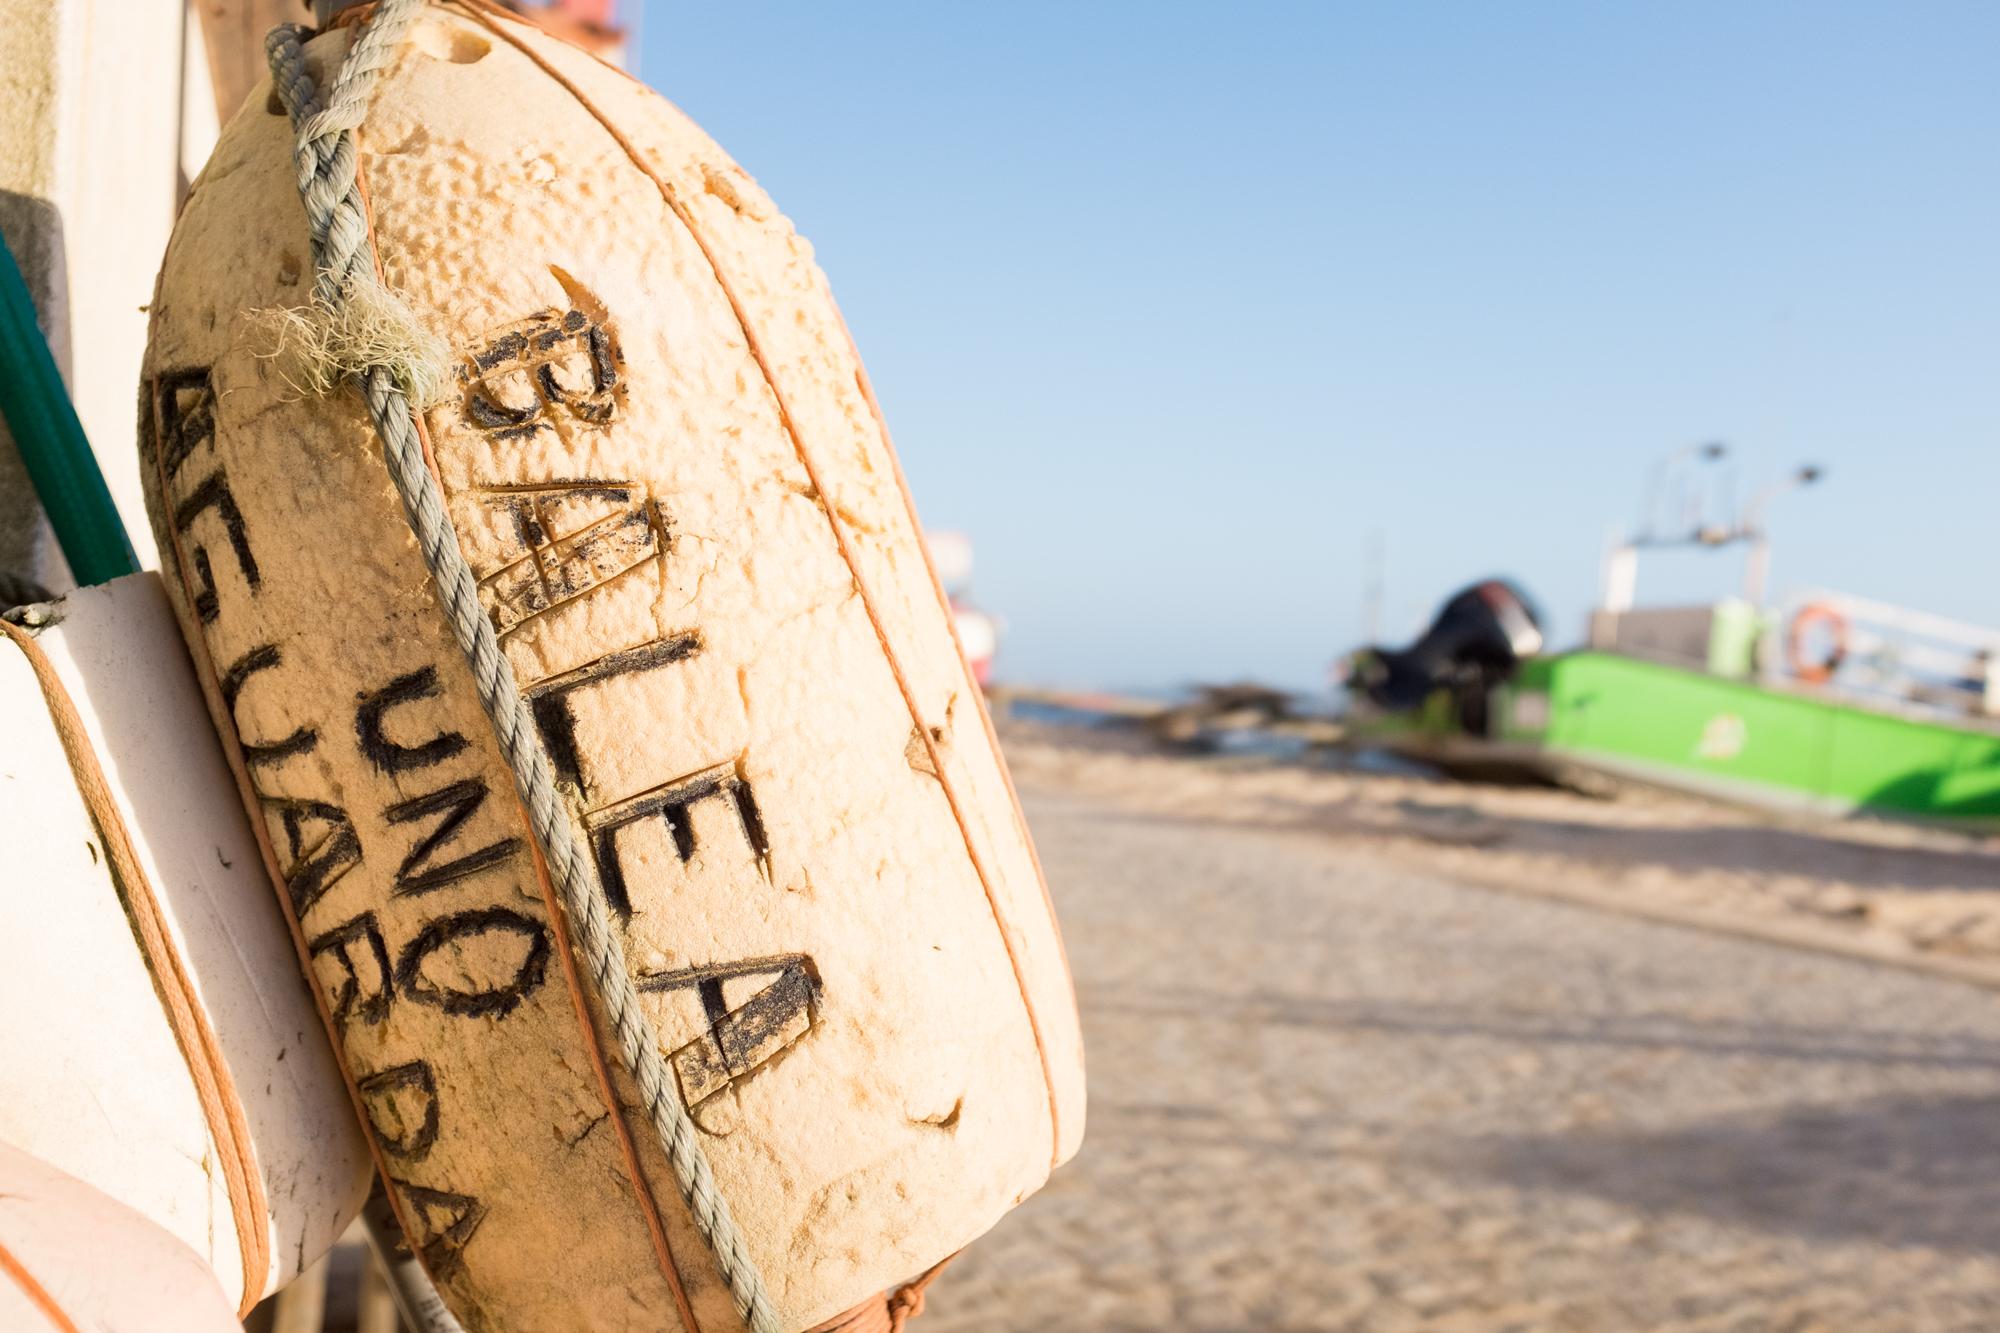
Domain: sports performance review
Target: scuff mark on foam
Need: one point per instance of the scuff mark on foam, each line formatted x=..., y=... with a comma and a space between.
x=945, y=1120
x=584, y=1133
x=733, y=186
x=918, y=754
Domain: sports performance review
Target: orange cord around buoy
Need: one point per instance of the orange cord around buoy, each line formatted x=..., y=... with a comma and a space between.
x=180, y=1000
x=889, y=1312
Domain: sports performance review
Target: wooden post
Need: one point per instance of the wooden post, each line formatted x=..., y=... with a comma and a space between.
x=233, y=34
x=377, y=1312
x=301, y=1306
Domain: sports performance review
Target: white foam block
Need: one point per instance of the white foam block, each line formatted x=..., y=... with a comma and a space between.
x=97, y=1084
x=79, y=1255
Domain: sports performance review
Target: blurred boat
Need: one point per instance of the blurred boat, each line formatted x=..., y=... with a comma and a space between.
x=978, y=632
x=979, y=635
x=1833, y=705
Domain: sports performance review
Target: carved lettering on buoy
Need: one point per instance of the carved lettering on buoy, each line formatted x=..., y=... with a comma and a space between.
x=452, y=806
x=319, y=841
x=184, y=402
x=402, y=1105
x=213, y=494
x=262, y=658
x=371, y=725
x=672, y=802
x=546, y=364
x=550, y=700
x=740, y=1039
x=481, y=994
x=565, y=539
x=446, y=1220
x=355, y=949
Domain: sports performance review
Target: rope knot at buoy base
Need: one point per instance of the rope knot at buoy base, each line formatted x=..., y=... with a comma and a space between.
x=889, y=1312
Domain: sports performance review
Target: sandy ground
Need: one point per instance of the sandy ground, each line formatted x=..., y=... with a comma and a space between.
x=1874, y=884
x=1339, y=1084
x=1356, y=1064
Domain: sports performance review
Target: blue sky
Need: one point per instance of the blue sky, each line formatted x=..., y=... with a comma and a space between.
x=1170, y=306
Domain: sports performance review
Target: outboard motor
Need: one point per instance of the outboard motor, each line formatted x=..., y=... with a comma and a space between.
x=1478, y=638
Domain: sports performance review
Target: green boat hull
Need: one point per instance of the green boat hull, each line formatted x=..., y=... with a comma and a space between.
x=1632, y=719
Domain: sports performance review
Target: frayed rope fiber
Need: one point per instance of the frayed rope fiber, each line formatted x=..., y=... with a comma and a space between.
x=343, y=262
x=326, y=345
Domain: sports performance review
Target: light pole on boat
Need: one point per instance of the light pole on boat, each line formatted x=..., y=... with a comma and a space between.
x=1620, y=572
x=1707, y=451
x=1757, y=568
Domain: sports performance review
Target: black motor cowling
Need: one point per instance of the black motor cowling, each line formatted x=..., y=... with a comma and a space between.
x=1476, y=641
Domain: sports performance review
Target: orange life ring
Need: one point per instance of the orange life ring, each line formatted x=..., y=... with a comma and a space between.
x=1820, y=671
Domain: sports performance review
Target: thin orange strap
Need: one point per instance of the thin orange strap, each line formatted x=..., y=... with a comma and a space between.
x=37, y=1294
x=214, y=1088
x=642, y=1190
x=867, y=388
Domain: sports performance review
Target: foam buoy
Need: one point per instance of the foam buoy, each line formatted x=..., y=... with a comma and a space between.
x=72, y=1257
x=659, y=454
x=160, y=1046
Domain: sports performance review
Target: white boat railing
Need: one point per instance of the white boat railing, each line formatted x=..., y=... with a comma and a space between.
x=1878, y=652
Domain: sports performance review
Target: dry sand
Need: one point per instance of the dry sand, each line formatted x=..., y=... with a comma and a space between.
x=1339, y=1083
x=1857, y=885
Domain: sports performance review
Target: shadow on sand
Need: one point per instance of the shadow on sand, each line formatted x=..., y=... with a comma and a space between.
x=1754, y=850
x=1762, y=1039
x=1916, y=1171
x=1757, y=850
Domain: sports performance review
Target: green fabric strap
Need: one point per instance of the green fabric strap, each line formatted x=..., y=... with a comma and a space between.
x=45, y=429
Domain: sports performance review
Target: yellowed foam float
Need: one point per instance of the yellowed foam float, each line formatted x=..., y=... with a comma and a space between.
x=663, y=461
x=159, y=1046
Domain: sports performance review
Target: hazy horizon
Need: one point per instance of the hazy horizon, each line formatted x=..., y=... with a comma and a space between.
x=1171, y=307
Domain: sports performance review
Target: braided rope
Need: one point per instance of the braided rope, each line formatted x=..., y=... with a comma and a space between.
x=343, y=256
